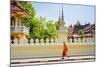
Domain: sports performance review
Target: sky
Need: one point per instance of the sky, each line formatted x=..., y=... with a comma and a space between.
x=72, y=13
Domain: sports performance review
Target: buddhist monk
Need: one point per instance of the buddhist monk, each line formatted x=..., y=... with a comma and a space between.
x=65, y=51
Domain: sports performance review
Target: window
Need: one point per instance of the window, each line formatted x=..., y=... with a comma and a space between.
x=12, y=21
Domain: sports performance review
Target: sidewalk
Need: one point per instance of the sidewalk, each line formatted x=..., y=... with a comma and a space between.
x=51, y=60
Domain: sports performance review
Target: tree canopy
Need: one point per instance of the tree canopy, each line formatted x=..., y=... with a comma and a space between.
x=38, y=27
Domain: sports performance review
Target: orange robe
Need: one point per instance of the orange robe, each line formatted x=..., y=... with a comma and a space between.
x=65, y=51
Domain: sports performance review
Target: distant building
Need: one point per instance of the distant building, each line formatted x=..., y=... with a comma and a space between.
x=61, y=29
x=76, y=31
x=87, y=30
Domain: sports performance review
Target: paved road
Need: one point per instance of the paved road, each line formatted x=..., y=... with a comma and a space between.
x=50, y=60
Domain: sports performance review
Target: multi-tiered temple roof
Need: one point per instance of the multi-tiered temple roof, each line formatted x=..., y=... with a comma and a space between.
x=88, y=30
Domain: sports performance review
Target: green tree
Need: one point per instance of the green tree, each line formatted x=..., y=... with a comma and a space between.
x=30, y=20
x=45, y=28
x=81, y=33
x=57, y=23
x=51, y=29
x=38, y=27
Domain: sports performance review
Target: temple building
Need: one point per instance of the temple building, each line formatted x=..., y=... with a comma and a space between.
x=61, y=29
x=17, y=14
x=84, y=31
x=75, y=31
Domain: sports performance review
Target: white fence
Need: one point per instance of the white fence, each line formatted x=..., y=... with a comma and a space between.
x=52, y=41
